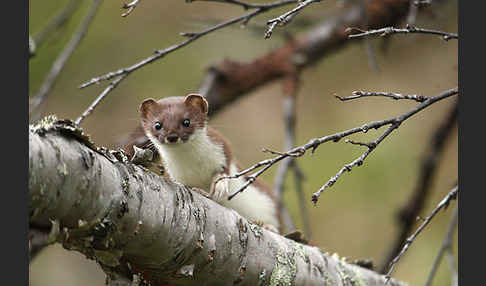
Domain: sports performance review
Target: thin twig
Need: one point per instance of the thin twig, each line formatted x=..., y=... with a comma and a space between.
x=191, y=37
x=422, y=3
x=357, y=162
x=290, y=163
x=313, y=144
x=246, y=5
x=371, y=146
x=58, y=65
x=359, y=94
x=446, y=246
x=278, y=190
x=426, y=174
x=129, y=7
x=298, y=180
x=58, y=21
x=90, y=109
x=442, y=204
x=284, y=19
x=407, y=30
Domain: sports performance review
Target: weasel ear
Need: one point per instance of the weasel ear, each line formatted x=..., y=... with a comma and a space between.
x=197, y=101
x=146, y=106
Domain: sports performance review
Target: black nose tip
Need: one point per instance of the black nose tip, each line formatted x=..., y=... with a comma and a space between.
x=172, y=138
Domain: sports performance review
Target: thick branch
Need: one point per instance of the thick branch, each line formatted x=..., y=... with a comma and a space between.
x=134, y=222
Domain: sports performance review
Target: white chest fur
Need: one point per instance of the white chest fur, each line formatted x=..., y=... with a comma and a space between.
x=195, y=162
x=251, y=203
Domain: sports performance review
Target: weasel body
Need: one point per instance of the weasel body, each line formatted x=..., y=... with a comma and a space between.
x=196, y=155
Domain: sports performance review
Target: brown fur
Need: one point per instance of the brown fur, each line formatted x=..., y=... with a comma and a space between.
x=171, y=111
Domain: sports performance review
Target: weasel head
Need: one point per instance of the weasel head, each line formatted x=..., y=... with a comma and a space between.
x=173, y=120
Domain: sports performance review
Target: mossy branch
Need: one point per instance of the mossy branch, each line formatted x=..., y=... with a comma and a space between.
x=140, y=226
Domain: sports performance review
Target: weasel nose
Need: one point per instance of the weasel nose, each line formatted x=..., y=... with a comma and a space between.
x=172, y=138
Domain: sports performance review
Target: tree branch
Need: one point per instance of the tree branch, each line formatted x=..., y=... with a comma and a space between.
x=396, y=96
x=407, y=30
x=291, y=86
x=58, y=21
x=191, y=37
x=445, y=246
x=133, y=222
x=36, y=101
x=442, y=204
x=284, y=19
x=230, y=80
x=316, y=142
x=129, y=7
x=429, y=165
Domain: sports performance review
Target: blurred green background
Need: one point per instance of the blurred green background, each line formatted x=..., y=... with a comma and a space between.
x=357, y=216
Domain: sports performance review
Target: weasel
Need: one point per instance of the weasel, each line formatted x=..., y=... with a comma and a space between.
x=197, y=155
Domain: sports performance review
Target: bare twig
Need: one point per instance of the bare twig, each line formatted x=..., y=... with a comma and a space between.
x=422, y=3
x=371, y=146
x=445, y=247
x=269, y=31
x=247, y=5
x=282, y=20
x=230, y=80
x=442, y=204
x=129, y=7
x=363, y=4
x=359, y=94
x=58, y=65
x=428, y=169
x=191, y=37
x=290, y=163
x=58, y=21
x=316, y=142
x=158, y=54
x=407, y=30
x=93, y=105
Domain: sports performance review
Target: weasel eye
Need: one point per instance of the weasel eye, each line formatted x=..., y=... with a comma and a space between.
x=186, y=122
x=157, y=125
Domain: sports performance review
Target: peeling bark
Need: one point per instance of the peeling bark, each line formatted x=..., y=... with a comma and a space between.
x=136, y=224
